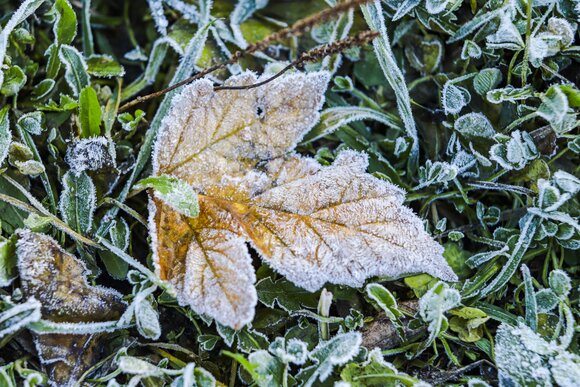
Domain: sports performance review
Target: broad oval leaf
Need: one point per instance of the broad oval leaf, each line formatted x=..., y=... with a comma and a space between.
x=313, y=224
x=58, y=281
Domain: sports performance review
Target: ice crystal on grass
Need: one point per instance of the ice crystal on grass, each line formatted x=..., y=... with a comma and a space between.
x=313, y=224
x=58, y=281
x=525, y=358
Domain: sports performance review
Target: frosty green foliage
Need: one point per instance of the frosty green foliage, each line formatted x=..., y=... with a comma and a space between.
x=27, y=8
x=471, y=107
x=5, y=134
x=77, y=201
x=376, y=371
x=473, y=125
x=525, y=358
x=470, y=50
x=16, y=316
x=486, y=80
x=76, y=68
x=337, y=351
x=292, y=351
x=433, y=306
x=513, y=152
x=173, y=191
x=388, y=303
x=454, y=98
x=437, y=172
x=32, y=122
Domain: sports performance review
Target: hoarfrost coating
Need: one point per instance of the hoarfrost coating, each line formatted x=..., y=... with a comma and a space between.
x=311, y=223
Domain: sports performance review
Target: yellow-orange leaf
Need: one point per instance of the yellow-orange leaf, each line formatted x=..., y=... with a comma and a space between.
x=313, y=224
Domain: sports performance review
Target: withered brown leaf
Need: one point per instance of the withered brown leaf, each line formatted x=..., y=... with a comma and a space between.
x=311, y=223
x=58, y=280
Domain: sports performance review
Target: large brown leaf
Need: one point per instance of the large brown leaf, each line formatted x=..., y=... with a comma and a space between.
x=313, y=224
x=58, y=280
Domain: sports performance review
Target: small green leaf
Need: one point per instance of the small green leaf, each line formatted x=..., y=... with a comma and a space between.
x=7, y=262
x=89, y=113
x=288, y=296
x=147, y=320
x=5, y=135
x=173, y=191
x=65, y=28
x=560, y=283
x=486, y=80
x=32, y=122
x=473, y=125
x=77, y=201
x=387, y=302
x=104, y=66
x=14, y=80
x=76, y=68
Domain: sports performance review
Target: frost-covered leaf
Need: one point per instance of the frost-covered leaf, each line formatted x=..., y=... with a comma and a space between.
x=388, y=303
x=243, y=10
x=554, y=108
x=129, y=122
x=147, y=320
x=510, y=94
x=5, y=134
x=373, y=14
x=78, y=201
x=58, y=281
x=470, y=50
x=355, y=227
x=65, y=28
x=293, y=351
x=336, y=351
x=174, y=192
x=436, y=6
x=514, y=152
x=376, y=371
x=438, y=172
x=26, y=8
x=454, y=98
x=474, y=125
x=333, y=118
x=285, y=294
x=76, y=68
x=104, y=66
x=567, y=182
x=404, y=8
x=90, y=154
x=432, y=307
x=560, y=283
x=506, y=36
x=32, y=122
x=525, y=358
x=158, y=14
x=14, y=80
x=16, y=316
x=486, y=80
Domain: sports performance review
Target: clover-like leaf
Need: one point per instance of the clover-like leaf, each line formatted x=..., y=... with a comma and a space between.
x=58, y=281
x=311, y=223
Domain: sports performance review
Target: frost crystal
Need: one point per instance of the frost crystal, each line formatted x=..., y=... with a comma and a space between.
x=311, y=223
x=525, y=358
x=90, y=154
x=58, y=281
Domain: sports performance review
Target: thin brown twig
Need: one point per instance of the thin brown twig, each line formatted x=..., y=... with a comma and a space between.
x=296, y=29
x=312, y=56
